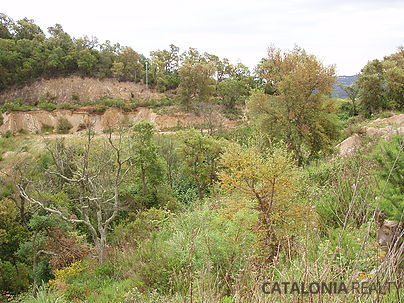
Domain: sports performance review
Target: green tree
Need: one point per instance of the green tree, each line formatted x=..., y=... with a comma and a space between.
x=196, y=83
x=200, y=155
x=381, y=84
x=372, y=90
x=14, y=271
x=298, y=110
x=352, y=91
x=149, y=168
x=127, y=65
x=232, y=92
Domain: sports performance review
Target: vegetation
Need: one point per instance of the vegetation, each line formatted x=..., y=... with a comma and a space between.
x=210, y=215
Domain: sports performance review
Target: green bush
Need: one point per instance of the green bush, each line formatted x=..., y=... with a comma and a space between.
x=344, y=191
x=17, y=105
x=7, y=134
x=46, y=105
x=389, y=156
x=43, y=295
x=63, y=126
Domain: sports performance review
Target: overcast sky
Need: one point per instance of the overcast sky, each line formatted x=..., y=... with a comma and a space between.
x=347, y=33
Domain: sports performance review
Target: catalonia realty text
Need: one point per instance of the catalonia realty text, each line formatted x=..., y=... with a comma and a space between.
x=362, y=288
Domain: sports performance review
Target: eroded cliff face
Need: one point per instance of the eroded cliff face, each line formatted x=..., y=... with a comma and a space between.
x=37, y=120
x=76, y=89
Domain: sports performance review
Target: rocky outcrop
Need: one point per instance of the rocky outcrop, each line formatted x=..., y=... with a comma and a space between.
x=382, y=127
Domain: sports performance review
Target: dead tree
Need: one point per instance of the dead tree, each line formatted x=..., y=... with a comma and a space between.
x=94, y=174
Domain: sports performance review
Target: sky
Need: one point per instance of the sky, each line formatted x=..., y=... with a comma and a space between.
x=346, y=33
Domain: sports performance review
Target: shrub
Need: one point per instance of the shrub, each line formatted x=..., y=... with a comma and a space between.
x=46, y=128
x=63, y=126
x=7, y=134
x=389, y=155
x=43, y=295
x=17, y=105
x=46, y=105
x=345, y=192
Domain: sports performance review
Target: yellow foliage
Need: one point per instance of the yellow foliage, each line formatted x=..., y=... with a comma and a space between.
x=64, y=274
x=271, y=182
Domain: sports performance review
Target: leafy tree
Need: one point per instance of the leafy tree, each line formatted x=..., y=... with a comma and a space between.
x=299, y=110
x=372, y=91
x=149, y=171
x=381, y=84
x=352, y=91
x=232, y=91
x=196, y=83
x=6, y=27
x=14, y=272
x=200, y=155
x=127, y=65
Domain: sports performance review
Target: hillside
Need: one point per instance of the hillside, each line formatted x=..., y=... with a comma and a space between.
x=76, y=89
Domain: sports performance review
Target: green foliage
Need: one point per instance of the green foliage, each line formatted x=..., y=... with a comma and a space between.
x=46, y=105
x=16, y=105
x=298, y=110
x=63, y=126
x=196, y=83
x=149, y=188
x=43, y=295
x=381, y=84
x=233, y=92
x=344, y=192
x=14, y=270
x=139, y=228
x=389, y=156
x=200, y=154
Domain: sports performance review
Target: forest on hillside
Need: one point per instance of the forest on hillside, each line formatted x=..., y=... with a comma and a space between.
x=133, y=215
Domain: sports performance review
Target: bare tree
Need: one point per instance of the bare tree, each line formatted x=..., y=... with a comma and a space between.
x=93, y=176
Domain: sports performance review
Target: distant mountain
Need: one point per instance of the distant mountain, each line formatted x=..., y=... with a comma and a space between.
x=337, y=91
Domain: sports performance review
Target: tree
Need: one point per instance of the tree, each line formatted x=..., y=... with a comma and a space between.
x=232, y=91
x=127, y=65
x=196, y=83
x=298, y=110
x=200, y=155
x=14, y=274
x=372, y=91
x=381, y=84
x=149, y=170
x=352, y=91
x=92, y=176
x=27, y=29
x=271, y=181
x=6, y=27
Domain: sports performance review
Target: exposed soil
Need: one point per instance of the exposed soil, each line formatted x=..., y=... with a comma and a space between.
x=38, y=120
x=75, y=89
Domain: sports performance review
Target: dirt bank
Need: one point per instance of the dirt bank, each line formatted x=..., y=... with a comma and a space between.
x=75, y=89
x=35, y=121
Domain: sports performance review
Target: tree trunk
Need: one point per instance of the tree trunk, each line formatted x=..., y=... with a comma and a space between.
x=101, y=247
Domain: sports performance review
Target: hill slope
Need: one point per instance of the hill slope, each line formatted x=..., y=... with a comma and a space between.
x=75, y=89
